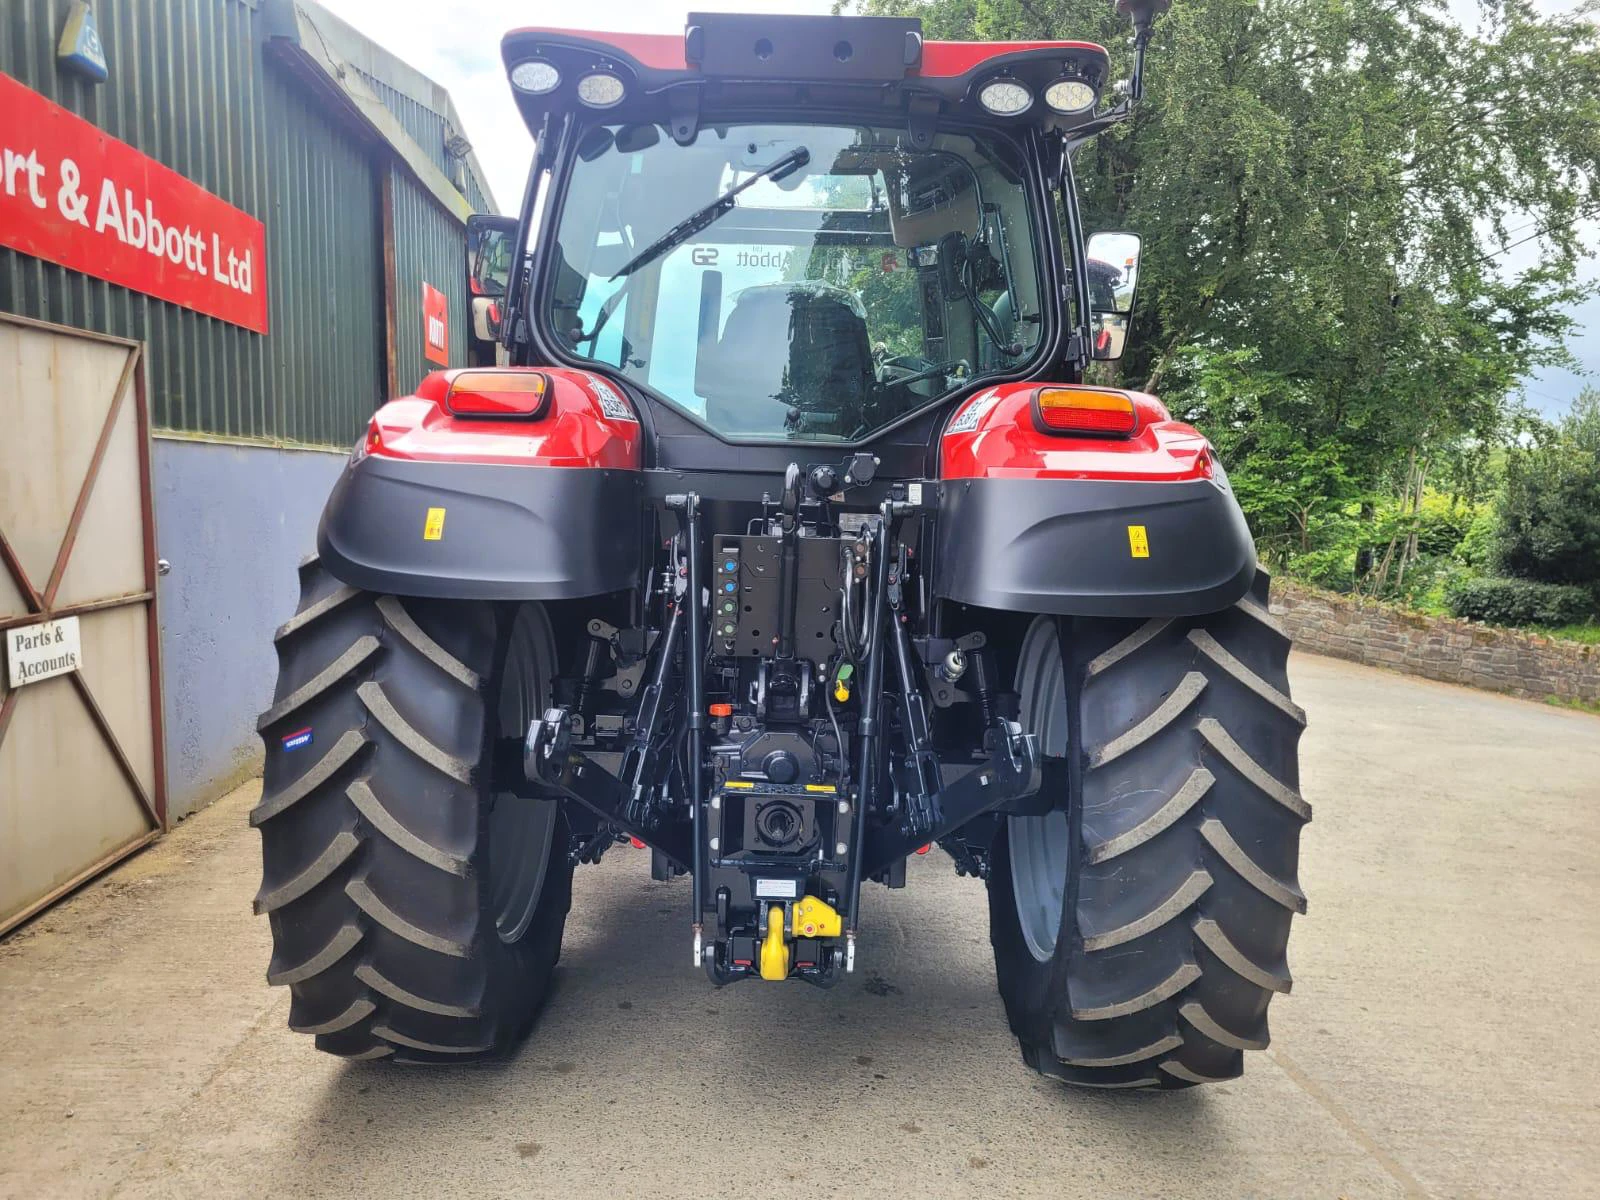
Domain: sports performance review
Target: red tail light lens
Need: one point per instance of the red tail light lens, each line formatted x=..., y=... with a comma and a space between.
x=1085, y=411
x=504, y=394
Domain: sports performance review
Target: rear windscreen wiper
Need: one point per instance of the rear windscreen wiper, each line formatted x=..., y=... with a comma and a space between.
x=779, y=168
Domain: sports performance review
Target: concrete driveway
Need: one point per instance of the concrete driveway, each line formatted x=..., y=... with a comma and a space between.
x=1440, y=1041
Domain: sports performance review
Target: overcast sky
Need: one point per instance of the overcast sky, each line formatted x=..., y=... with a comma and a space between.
x=458, y=45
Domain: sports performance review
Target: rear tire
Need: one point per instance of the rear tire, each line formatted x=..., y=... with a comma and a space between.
x=1140, y=929
x=415, y=915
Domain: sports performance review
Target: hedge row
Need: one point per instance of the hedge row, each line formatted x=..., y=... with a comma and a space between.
x=1520, y=601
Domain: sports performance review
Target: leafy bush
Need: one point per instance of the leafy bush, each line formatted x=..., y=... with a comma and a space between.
x=1428, y=584
x=1442, y=525
x=1477, y=547
x=1519, y=601
x=1332, y=568
x=1549, y=526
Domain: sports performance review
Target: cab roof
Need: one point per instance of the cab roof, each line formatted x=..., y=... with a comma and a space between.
x=727, y=64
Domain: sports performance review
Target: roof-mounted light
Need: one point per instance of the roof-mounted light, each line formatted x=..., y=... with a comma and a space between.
x=1005, y=97
x=1070, y=96
x=535, y=77
x=601, y=89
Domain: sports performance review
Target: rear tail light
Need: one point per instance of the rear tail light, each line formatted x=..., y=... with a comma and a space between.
x=503, y=394
x=1085, y=411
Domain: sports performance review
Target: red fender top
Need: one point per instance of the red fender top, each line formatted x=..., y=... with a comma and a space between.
x=993, y=436
x=588, y=423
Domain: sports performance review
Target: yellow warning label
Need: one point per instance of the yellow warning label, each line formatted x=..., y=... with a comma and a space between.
x=1138, y=542
x=821, y=787
x=433, y=527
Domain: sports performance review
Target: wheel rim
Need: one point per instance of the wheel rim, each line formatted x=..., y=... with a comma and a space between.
x=520, y=829
x=1041, y=847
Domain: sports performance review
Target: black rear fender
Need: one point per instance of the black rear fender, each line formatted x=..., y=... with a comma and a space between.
x=482, y=530
x=1095, y=548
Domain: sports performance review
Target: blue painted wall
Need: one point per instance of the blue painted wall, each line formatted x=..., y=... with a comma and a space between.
x=234, y=521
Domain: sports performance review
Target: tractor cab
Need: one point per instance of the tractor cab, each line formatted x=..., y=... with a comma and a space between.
x=809, y=229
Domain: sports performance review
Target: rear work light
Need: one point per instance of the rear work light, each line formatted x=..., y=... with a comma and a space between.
x=1005, y=97
x=535, y=77
x=601, y=90
x=504, y=394
x=1080, y=411
x=1070, y=96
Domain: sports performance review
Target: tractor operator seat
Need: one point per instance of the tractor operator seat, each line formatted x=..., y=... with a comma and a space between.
x=790, y=355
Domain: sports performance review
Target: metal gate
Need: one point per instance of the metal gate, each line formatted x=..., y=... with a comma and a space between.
x=82, y=778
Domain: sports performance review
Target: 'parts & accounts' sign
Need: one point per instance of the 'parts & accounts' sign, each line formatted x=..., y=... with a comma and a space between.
x=73, y=195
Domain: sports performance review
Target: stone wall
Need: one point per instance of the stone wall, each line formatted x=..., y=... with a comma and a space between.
x=1465, y=652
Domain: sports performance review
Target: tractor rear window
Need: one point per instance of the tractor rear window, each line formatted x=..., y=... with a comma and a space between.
x=795, y=281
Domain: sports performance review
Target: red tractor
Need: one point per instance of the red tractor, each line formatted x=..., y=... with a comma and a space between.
x=776, y=530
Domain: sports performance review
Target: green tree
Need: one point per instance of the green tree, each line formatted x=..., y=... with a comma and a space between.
x=1549, y=513
x=1324, y=187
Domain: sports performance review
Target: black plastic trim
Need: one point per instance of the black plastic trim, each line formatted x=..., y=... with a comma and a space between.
x=1062, y=546
x=510, y=532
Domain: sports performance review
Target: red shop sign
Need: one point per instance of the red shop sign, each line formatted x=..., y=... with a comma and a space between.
x=73, y=195
x=435, y=325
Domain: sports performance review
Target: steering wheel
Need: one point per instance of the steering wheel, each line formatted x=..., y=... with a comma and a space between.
x=918, y=369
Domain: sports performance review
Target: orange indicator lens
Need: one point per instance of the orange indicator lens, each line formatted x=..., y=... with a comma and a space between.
x=1079, y=410
x=498, y=394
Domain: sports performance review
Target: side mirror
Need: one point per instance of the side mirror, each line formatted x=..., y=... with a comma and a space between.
x=489, y=251
x=1113, y=264
x=489, y=254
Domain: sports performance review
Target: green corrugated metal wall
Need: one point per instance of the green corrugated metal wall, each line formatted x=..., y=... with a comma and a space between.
x=426, y=128
x=325, y=369
x=425, y=251
x=195, y=85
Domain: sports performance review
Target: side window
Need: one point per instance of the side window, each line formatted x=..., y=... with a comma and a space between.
x=605, y=302
x=601, y=294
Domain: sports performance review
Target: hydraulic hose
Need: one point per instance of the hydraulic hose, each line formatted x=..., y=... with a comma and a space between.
x=871, y=706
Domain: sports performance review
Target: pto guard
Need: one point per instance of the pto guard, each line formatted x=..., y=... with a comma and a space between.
x=1145, y=526
x=432, y=504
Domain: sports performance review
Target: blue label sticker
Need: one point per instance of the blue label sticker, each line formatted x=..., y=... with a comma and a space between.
x=300, y=737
